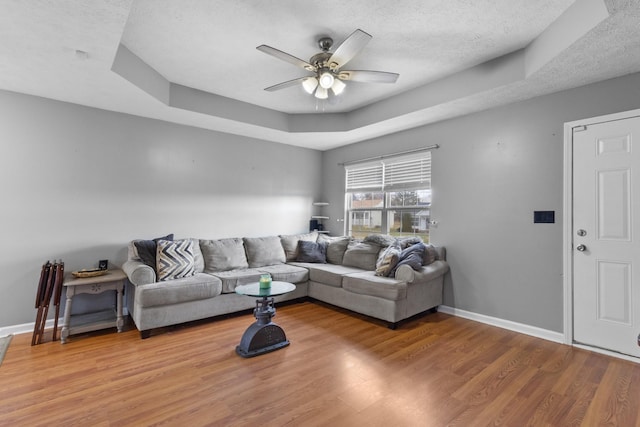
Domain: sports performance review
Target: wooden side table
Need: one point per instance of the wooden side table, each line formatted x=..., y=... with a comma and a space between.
x=113, y=280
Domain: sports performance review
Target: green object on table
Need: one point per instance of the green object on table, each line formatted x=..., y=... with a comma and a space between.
x=265, y=281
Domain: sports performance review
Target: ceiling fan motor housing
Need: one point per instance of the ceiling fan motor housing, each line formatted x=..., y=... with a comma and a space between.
x=325, y=43
x=320, y=59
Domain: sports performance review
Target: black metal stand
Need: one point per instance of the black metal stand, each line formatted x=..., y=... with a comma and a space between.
x=263, y=336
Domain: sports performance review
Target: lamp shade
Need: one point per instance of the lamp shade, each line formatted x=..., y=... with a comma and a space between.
x=310, y=84
x=326, y=80
x=338, y=87
x=321, y=93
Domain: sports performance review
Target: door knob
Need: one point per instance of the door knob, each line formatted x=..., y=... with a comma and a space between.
x=581, y=248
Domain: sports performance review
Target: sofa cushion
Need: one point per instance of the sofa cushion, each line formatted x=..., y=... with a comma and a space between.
x=362, y=255
x=387, y=260
x=145, y=250
x=336, y=246
x=328, y=274
x=197, y=287
x=312, y=252
x=223, y=254
x=232, y=278
x=367, y=283
x=286, y=273
x=175, y=259
x=263, y=251
x=290, y=243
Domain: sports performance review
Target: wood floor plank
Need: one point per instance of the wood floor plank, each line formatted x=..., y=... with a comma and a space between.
x=341, y=369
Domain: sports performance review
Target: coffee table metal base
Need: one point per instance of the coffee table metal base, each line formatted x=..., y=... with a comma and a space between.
x=263, y=336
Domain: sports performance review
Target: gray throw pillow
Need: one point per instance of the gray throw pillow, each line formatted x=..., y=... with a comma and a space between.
x=146, y=249
x=380, y=239
x=406, y=242
x=312, y=252
x=336, y=247
x=223, y=255
x=263, y=251
x=430, y=255
x=361, y=255
x=290, y=243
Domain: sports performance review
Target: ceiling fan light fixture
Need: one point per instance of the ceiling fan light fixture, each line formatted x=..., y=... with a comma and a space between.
x=310, y=84
x=338, y=87
x=326, y=80
x=322, y=93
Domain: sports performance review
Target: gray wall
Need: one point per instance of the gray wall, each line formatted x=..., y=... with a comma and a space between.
x=78, y=184
x=494, y=168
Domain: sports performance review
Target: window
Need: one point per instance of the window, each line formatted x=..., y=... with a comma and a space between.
x=390, y=196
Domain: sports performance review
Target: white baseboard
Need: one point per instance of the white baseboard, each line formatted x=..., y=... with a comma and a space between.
x=529, y=330
x=505, y=324
x=27, y=328
x=24, y=328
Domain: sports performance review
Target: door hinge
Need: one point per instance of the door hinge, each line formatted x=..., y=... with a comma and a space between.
x=579, y=128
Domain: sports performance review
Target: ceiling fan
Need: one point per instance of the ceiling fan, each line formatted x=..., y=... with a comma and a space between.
x=327, y=66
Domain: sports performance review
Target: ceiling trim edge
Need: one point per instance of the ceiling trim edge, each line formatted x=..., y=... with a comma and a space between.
x=386, y=116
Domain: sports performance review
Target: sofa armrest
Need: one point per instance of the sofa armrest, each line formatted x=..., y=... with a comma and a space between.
x=139, y=273
x=424, y=275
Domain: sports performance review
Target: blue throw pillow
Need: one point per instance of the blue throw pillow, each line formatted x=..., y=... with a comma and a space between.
x=311, y=252
x=412, y=256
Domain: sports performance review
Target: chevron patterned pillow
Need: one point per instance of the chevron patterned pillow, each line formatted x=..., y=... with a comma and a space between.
x=175, y=259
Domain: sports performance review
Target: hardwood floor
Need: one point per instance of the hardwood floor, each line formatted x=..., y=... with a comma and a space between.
x=340, y=369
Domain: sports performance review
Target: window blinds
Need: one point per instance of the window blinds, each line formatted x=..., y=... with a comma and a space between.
x=365, y=177
x=406, y=172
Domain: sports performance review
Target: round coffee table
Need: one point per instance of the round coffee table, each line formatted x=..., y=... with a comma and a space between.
x=263, y=336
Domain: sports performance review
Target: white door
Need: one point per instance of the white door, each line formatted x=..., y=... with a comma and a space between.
x=606, y=231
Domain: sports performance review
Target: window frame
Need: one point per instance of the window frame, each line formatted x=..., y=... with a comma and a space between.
x=387, y=176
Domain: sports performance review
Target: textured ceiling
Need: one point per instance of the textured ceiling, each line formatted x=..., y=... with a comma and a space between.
x=211, y=45
x=194, y=61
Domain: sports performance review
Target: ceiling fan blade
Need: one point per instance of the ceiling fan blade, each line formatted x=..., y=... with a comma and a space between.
x=349, y=48
x=286, y=57
x=286, y=84
x=368, y=76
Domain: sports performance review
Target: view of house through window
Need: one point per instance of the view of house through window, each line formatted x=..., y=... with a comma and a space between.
x=390, y=196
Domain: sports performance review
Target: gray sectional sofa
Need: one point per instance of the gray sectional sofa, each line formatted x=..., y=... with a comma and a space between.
x=347, y=278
